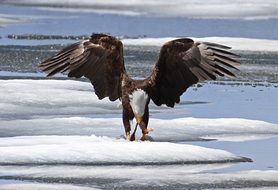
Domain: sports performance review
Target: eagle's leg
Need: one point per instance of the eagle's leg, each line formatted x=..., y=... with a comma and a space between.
x=126, y=122
x=127, y=128
x=132, y=137
x=144, y=125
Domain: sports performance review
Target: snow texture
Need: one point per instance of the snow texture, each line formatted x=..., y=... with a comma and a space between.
x=26, y=98
x=243, y=44
x=42, y=186
x=231, y=9
x=65, y=107
x=146, y=175
x=82, y=150
x=182, y=129
x=6, y=19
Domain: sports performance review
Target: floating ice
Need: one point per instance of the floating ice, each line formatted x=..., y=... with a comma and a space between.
x=29, y=98
x=238, y=44
x=126, y=177
x=10, y=74
x=65, y=107
x=182, y=129
x=6, y=19
x=42, y=186
x=82, y=150
x=86, y=171
x=257, y=9
x=245, y=44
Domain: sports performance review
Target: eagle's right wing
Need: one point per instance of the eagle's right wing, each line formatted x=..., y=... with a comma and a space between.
x=182, y=63
x=99, y=59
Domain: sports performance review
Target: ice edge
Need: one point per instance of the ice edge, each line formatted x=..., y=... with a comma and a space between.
x=160, y=163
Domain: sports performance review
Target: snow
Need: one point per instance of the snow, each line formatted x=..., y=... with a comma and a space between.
x=42, y=186
x=67, y=107
x=6, y=19
x=103, y=150
x=26, y=98
x=243, y=44
x=147, y=175
x=20, y=74
x=43, y=111
x=255, y=9
x=180, y=129
x=71, y=171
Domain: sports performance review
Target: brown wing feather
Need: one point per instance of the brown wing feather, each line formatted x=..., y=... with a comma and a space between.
x=99, y=59
x=182, y=63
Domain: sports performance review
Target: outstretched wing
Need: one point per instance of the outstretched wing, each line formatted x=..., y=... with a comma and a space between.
x=182, y=63
x=99, y=59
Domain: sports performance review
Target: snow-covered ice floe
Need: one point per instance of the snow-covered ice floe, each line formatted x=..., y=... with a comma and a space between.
x=181, y=129
x=65, y=107
x=229, y=9
x=42, y=186
x=176, y=177
x=28, y=98
x=6, y=19
x=242, y=44
x=82, y=150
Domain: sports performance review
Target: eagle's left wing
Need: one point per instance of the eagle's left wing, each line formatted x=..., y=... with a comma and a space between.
x=100, y=59
x=182, y=63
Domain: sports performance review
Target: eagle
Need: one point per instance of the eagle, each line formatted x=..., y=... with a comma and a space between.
x=181, y=63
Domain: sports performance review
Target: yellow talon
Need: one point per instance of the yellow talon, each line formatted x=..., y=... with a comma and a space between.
x=128, y=136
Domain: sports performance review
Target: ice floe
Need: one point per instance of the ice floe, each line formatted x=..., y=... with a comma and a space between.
x=243, y=44
x=42, y=186
x=65, y=107
x=257, y=9
x=173, y=176
x=6, y=19
x=181, y=129
x=28, y=98
x=82, y=150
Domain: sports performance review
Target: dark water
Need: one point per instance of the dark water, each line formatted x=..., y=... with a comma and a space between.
x=256, y=67
x=78, y=23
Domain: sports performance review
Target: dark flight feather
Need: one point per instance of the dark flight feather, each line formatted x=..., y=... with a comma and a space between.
x=190, y=62
x=182, y=63
x=100, y=59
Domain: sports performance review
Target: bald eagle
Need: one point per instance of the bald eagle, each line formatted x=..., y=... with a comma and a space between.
x=181, y=63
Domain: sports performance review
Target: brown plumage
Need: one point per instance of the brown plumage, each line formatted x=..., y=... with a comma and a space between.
x=181, y=63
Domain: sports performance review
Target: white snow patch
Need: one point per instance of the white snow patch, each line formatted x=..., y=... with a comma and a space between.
x=103, y=150
x=182, y=129
x=90, y=10
x=65, y=107
x=6, y=19
x=244, y=44
x=255, y=9
x=43, y=186
x=145, y=175
x=55, y=107
x=30, y=98
x=225, y=129
x=71, y=171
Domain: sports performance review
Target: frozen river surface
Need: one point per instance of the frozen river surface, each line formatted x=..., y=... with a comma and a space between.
x=56, y=134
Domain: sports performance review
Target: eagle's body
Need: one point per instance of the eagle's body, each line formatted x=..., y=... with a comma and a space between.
x=181, y=63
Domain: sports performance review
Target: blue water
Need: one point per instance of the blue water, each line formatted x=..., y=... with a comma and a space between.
x=74, y=23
